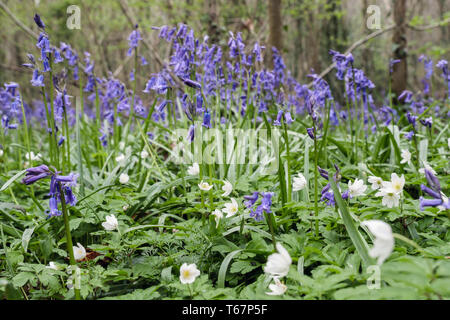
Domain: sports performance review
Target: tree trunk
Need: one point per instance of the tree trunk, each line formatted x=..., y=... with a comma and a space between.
x=275, y=25
x=213, y=29
x=400, y=71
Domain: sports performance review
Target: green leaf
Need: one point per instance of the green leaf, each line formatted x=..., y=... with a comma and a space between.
x=355, y=236
x=224, y=267
x=12, y=179
x=22, y=278
x=26, y=236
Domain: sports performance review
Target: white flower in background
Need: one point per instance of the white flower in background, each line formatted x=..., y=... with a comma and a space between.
x=277, y=289
x=406, y=156
x=396, y=184
x=448, y=142
x=125, y=207
x=121, y=145
x=227, y=188
x=299, y=183
x=79, y=252
x=1, y=152
x=188, y=273
x=217, y=216
x=52, y=265
x=194, y=169
x=231, y=208
x=390, y=197
x=111, y=223
x=144, y=154
x=278, y=263
x=384, y=239
x=124, y=178
x=376, y=182
x=120, y=159
x=428, y=167
x=356, y=188
x=32, y=156
x=205, y=186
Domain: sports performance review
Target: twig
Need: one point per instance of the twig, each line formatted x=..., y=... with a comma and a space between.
x=27, y=30
x=376, y=34
x=431, y=26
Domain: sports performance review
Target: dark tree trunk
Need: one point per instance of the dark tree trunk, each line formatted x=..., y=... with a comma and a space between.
x=275, y=27
x=213, y=29
x=400, y=70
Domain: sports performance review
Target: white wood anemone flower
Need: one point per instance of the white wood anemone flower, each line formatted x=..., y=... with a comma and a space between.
x=144, y=154
x=52, y=265
x=217, y=216
x=376, y=182
x=299, y=182
x=227, y=188
x=356, y=188
x=278, y=263
x=384, y=239
x=277, y=288
x=406, y=156
x=111, y=223
x=231, y=208
x=34, y=157
x=120, y=159
x=79, y=252
x=205, y=186
x=390, y=197
x=194, y=169
x=124, y=178
x=396, y=184
x=188, y=273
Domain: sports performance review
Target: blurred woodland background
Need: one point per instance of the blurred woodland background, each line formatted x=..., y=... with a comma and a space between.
x=303, y=30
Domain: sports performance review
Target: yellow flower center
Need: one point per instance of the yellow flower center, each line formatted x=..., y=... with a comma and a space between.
x=186, y=273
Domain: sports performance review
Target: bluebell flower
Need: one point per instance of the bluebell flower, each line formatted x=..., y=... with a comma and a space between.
x=39, y=21
x=133, y=40
x=53, y=204
x=191, y=133
x=406, y=95
x=57, y=56
x=36, y=173
x=257, y=52
x=266, y=201
x=288, y=117
x=277, y=122
x=206, y=119
x=427, y=122
x=251, y=199
x=191, y=83
x=409, y=135
x=323, y=172
x=143, y=61
x=310, y=132
x=392, y=62
x=38, y=79
x=69, y=196
x=439, y=199
x=411, y=119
